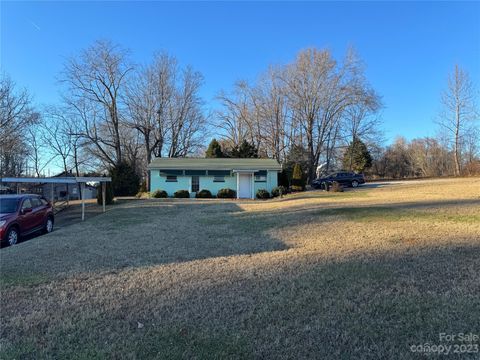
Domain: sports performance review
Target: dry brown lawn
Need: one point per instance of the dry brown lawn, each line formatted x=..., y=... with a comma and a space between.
x=355, y=275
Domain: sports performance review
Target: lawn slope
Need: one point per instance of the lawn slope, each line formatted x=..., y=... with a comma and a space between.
x=353, y=275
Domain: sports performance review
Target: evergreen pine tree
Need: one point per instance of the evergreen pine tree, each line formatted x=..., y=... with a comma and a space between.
x=125, y=181
x=214, y=150
x=245, y=150
x=357, y=157
x=108, y=194
x=298, y=178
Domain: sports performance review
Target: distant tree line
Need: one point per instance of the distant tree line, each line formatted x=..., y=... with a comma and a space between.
x=423, y=157
x=115, y=116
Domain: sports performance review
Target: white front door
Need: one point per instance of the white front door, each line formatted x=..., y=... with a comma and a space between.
x=245, y=186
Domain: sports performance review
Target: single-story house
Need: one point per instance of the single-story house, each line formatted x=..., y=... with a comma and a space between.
x=245, y=176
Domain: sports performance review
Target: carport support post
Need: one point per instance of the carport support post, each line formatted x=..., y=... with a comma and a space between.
x=82, y=191
x=103, y=194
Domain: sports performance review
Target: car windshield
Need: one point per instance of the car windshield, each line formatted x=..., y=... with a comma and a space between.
x=8, y=206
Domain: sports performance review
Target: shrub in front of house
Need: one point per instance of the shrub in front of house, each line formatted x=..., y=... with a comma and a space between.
x=336, y=187
x=262, y=194
x=204, y=194
x=279, y=190
x=158, y=194
x=143, y=195
x=182, y=194
x=226, y=194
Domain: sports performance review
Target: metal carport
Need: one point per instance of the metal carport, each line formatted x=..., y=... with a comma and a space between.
x=64, y=180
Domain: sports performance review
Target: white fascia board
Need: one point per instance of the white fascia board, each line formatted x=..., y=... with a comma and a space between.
x=57, y=180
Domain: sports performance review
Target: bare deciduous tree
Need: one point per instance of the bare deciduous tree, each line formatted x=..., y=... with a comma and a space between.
x=16, y=117
x=164, y=106
x=186, y=119
x=459, y=109
x=272, y=115
x=37, y=147
x=320, y=91
x=428, y=157
x=235, y=114
x=314, y=103
x=96, y=81
x=148, y=98
x=15, y=108
x=309, y=80
x=56, y=131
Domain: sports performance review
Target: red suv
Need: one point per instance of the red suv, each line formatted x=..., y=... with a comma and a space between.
x=22, y=215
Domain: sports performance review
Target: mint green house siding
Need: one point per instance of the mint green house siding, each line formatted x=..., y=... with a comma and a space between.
x=207, y=183
x=269, y=184
x=245, y=176
x=184, y=182
x=160, y=183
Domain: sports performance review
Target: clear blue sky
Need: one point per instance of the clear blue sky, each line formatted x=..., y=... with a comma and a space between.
x=408, y=47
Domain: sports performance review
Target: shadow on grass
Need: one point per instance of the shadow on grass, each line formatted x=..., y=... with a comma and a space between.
x=321, y=194
x=149, y=233
x=135, y=235
x=376, y=185
x=364, y=211
x=355, y=308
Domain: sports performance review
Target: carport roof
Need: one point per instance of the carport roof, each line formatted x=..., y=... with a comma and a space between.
x=214, y=164
x=55, y=180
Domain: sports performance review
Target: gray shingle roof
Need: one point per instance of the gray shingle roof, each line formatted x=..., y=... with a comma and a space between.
x=214, y=164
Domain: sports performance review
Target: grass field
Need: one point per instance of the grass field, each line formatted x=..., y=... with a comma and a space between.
x=355, y=275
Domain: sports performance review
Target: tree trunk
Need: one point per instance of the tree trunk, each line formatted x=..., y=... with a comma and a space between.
x=118, y=144
x=149, y=159
x=75, y=160
x=457, y=141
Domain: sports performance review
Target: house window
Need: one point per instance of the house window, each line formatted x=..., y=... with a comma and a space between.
x=195, y=183
x=219, y=179
x=171, y=178
x=261, y=176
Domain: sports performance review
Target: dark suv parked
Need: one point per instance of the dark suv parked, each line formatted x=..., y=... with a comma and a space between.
x=22, y=215
x=343, y=178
